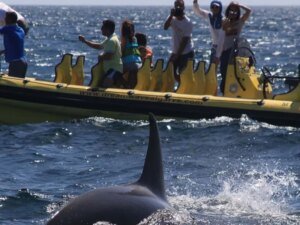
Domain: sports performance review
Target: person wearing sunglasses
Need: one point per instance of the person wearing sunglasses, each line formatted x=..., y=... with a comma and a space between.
x=214, y=17
x=232, y=25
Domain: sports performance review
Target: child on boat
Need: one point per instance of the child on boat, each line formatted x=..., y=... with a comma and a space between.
x=145, y=50
x=130, y=53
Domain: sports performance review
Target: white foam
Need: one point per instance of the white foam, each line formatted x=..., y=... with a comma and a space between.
x=258, y=195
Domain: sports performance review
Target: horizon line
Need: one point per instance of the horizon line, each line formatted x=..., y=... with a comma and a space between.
x=117, y=5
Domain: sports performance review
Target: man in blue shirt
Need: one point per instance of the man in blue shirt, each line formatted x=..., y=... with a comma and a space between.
x=13, y=37
x=22, y=22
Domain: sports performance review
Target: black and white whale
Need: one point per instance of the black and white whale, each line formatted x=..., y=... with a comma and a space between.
x=125, y=204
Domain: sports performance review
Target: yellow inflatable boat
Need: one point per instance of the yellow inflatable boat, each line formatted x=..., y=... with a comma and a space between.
x=246, y=92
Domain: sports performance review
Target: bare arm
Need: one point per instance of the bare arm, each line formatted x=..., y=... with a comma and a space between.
x=90, y=43
x=169, y=20
x=198, y=11
x=247, y=12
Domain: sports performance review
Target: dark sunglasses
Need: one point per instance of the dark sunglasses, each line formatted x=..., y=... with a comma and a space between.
x=232, y=12
x=215, y=7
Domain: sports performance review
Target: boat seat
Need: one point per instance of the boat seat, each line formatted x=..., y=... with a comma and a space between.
x=156, y=76
x=63, y=70
x=144, y=76
x=187, y=80
x=168, y=80
x=78, y=71
x=200, y=79
x=211, y=82
x=97, y=73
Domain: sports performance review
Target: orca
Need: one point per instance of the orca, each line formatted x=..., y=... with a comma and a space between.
x=125, y=204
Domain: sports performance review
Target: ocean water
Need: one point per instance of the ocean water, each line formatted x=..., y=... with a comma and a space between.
x=222, y=171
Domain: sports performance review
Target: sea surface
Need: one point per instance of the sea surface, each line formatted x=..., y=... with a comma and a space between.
x=221, y=171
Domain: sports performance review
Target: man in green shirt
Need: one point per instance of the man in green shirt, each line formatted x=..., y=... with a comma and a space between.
x=111, y=56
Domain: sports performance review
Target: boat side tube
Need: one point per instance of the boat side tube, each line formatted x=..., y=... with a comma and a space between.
x=29, y=100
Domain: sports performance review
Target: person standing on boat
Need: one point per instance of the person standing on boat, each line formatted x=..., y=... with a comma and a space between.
x=13, y=38
x=215, y=25
x=20, y=20
x=232, y=25
x=111, y=56
x=182, y=43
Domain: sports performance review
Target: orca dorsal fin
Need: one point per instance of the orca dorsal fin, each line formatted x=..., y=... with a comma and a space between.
x=153, y=176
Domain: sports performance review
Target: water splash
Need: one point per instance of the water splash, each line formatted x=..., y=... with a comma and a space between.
x=170, y=217
x=218, y=121
x=261, y=194
x=254, y=195
x=249, y=125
